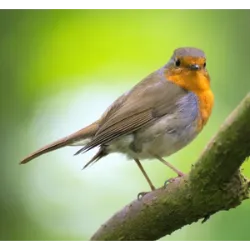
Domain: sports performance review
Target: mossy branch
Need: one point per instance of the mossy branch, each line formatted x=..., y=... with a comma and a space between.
x=213, y=184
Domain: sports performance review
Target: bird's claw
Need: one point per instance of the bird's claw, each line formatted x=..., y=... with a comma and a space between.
x=169, y=181
x=140, y=195
x=172, y=179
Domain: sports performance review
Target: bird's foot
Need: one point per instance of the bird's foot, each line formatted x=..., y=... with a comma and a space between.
x=180, y=174
x=170, y=181
x=141, y=195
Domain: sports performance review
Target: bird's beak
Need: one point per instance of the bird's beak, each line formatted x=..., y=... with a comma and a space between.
x=194, y=67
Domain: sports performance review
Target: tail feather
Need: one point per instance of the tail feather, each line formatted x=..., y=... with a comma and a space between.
x=82, y=134
x=101, y=153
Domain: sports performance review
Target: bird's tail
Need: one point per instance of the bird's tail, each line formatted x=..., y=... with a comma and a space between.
x=73, y=139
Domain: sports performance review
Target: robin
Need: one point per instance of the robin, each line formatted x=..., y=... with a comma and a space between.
x=159, y=116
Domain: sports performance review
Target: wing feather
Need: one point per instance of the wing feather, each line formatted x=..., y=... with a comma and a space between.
x=146, y=102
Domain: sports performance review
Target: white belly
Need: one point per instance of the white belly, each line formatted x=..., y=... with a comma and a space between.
x=159, y=139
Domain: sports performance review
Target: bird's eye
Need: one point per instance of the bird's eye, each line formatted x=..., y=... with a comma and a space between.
x=177, y=62
x=204, y=65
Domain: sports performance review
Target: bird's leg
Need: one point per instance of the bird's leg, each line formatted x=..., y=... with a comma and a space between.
x=180, y=174
x=147, y=178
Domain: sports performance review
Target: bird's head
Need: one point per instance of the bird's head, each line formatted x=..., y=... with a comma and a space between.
x=187, y=68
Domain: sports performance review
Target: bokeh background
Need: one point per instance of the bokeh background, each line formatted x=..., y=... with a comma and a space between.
x=59, y=70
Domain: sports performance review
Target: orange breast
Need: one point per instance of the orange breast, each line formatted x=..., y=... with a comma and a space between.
x=206, y=101
x=199, y=83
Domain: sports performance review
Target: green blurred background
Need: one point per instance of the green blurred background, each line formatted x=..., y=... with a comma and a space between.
x=59, y=70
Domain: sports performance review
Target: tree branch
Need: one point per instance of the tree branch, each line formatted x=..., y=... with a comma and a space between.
x=213, y=184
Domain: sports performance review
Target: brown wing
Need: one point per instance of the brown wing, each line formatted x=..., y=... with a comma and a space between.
x=146, y=102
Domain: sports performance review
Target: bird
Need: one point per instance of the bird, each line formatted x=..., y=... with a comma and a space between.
x=159, y=116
